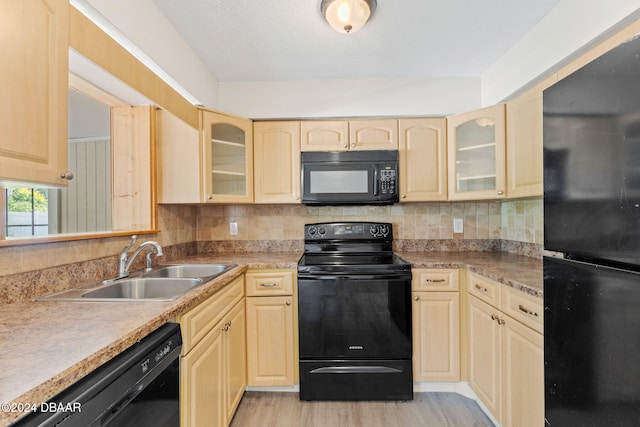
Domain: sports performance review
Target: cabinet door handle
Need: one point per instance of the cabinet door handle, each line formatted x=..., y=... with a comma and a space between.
x=68, y=175
x=416, y=298
x=269, y=285
x=500, y=193
x=480, y=288
x=527, y=311
x=435, y=280
x=288, y=302
x=497, y=319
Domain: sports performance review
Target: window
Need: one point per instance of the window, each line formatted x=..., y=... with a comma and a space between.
x=26, y=212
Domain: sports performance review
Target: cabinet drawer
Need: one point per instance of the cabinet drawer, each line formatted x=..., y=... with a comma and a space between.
x=485, y=289
x=198, y=321
x=523, y=307
x=435, y=279
x=270, y=282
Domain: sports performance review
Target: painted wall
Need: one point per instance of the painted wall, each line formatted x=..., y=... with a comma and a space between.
x=153, y=38
x=570, y=27
x=350, y=98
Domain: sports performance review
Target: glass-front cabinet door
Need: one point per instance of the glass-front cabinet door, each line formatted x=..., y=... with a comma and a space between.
x=228, y=163
x=477, y=154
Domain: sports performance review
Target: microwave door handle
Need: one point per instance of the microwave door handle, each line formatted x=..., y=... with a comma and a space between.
x=375, y=181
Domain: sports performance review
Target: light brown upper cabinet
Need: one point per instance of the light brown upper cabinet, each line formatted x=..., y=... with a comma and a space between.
x=324, y=135
x=423, y=159
x=209, y=165
x=373, y=134
x=342, y=135
x=524, y=142
x=276, y=154
x=228, y=158
x=476, y=148
x=33, y=107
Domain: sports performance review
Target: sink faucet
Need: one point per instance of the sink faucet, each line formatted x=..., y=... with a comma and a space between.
x=125, y=262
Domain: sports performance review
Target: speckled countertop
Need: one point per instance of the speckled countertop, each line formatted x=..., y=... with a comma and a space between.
x=48, y=345
x=520, y=272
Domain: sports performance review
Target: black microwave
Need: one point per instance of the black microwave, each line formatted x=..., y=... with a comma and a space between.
x=349, y=177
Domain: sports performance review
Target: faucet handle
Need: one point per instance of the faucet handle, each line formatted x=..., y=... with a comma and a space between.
x=131, y=243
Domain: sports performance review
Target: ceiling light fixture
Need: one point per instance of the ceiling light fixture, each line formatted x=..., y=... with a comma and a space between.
x=347, y=16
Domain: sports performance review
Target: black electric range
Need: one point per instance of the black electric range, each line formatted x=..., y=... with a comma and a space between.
x=354, y=301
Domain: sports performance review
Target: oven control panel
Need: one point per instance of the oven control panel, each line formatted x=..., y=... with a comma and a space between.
x=348, y=230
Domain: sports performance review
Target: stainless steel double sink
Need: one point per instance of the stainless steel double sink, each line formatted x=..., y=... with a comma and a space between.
x=162, y=283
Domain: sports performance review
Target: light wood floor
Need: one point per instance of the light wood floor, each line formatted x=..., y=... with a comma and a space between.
x=271, y=409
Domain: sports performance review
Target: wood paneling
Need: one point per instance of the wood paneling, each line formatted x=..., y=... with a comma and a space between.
x=86, y=205
x=132, y=140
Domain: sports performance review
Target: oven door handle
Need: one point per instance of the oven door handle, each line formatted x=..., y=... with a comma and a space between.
x=355, y=370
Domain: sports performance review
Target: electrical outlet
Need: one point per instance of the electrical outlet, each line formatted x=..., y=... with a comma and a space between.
x=458, y=225
x=233, y=228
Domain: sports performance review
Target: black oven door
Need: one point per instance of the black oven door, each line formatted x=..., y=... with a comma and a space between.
x=355, y=317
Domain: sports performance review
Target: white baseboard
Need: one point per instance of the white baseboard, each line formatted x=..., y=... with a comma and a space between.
x=287, y=388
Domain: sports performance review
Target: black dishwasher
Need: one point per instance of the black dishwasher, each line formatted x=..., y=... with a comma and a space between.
x=139, y=387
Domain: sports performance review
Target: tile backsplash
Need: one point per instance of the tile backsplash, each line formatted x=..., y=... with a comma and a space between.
x=519, y=221
x=513, y=220
x=511, y=226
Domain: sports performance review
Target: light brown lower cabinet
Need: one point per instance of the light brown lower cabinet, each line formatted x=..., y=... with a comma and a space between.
x=436, y=325
x=212, y=366
x=271, y=327
x=506, y=359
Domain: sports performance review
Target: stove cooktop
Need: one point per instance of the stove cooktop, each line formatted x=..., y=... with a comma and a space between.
x=356, y=264
x=350, y=247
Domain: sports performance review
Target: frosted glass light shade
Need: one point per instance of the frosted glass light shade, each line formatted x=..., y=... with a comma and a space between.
x=347, y=16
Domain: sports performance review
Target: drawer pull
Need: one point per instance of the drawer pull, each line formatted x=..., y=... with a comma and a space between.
x=480, y=288
x=435, y=280
x=497, y=319
x=269, y=285
x=526, y=310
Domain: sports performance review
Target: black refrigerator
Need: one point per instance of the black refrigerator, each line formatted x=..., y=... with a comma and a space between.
x=592, y=243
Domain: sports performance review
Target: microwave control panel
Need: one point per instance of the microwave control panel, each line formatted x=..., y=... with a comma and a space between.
x=388, y=180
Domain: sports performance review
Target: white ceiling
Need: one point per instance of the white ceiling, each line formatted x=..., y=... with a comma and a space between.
x=275, y=40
